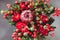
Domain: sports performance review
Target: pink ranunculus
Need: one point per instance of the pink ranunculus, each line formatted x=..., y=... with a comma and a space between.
x=26, y=16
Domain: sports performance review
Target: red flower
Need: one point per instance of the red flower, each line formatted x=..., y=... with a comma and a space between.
x=23, y=6
x=44, y=18
x=15, y=17
x=26, y=3
x=30, y=33
x=34, y=35
x=30, y=5
x=45, y=33
x=57, y=12
x=21, y=26
x=48, y=27
x=40, y=29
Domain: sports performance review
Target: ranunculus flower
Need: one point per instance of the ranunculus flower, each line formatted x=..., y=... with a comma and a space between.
x=44, y=18
x=26, y=16
x=42, y=31
x=15, y=17
x=45, y=33
x=21, y=26
x=48, y=27
x=23, y=6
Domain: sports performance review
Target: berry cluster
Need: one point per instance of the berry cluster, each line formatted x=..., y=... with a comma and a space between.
x=32, y=19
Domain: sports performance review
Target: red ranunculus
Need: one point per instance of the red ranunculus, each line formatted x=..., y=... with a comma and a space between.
x=21, y=26
x=23, y=6
x=15, y=17
x=48, y=27
x=45, y=33
x=44, y=18
x=40, y=29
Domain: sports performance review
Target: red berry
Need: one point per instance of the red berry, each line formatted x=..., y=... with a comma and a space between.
x=52, y=34
x=45, y=2
x=8, y=5
x=15, y=38
x=30, y=33
x=10, y=12
x=52, y=29
x=19, y=34
x=17, y=30
x=14, y=33
x=5, y=15
x=26, y=3
x=30, y=6
x=34, y=35
x=19, y=38
x=37, y=21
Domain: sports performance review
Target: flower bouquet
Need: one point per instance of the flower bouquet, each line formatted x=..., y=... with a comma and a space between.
x=31, y=19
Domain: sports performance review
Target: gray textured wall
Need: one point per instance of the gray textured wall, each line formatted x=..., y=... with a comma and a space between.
x=6, y=30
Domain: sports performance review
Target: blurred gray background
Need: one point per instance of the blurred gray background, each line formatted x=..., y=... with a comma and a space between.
x=6, y=30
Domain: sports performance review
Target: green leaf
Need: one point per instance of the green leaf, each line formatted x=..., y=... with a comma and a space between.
x=16, y=6
x=50, y=11
x=53, y=27
x=9, y=17
x=41, y=4
x=11, y=23
x=30, y=38
x=14, y=29
x=23, y=38
x=37, y=18
x=36, y=1
x=51, y=20
x=31, y=29
x=51, y=8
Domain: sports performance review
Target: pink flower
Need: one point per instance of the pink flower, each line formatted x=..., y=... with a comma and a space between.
x=26, y=16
